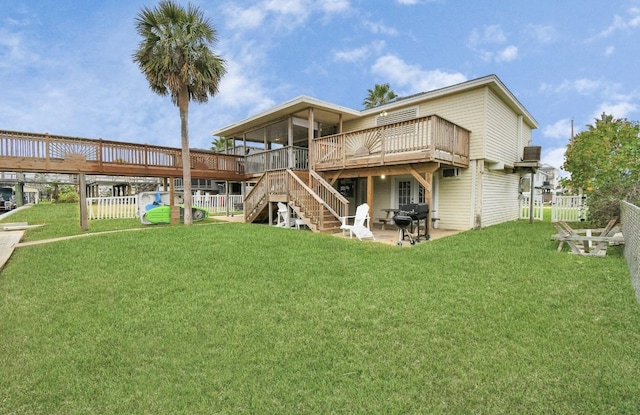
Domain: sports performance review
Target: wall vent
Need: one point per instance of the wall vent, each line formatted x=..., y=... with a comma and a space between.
x=393, y=117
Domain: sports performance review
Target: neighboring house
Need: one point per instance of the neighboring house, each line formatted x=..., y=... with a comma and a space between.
x=459, y=149
x=545, y=182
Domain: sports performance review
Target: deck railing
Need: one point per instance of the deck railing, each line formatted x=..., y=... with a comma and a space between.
x=44, y=152
x=296, y=158
x=427, y=139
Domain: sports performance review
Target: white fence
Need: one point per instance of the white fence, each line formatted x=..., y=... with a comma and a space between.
x=525, y=207
x=116, y=207
x=219, y=203
x=569, y=209
x=126, y=207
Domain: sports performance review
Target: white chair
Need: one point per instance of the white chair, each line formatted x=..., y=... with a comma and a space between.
x=361, y=223
x=284, y=216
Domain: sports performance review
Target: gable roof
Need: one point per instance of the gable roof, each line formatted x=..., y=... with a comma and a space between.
x=490, y=81
x=323, y=112
x=327, y=112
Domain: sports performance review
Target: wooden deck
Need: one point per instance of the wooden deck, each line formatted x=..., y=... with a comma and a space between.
x=30, y=152
x=426, y=139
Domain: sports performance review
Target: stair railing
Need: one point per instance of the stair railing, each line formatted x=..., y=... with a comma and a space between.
x=337, y=204
x=306, y=200
x=255, y=199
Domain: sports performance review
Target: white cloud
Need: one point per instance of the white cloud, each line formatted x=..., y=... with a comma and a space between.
x=237, y=18
x=620, y=109
x=358, y=54
x=555, y=157
x=412, y=78
x=609, y=50
x=583, y=86
x=621, y=23
x=481, y=40
x=561, y=129
x=508, y=54
x=279, y=16
x=488, y=35
x=334, y=6
x=542, y=33
x=14, y=50
x=380, y=28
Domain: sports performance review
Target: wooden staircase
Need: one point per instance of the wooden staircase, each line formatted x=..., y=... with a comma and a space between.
x=313, y=200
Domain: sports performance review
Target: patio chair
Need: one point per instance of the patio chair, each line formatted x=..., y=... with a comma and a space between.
x=284, y=216
x=361, y=223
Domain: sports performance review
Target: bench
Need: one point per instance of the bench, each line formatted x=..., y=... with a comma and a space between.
x=384, y=221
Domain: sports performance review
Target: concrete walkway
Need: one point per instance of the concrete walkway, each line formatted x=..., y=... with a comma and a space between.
x=8, y=242
x=9, y=238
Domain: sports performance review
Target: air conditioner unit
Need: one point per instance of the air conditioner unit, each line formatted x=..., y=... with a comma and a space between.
x=451, y=172
x=532, y=153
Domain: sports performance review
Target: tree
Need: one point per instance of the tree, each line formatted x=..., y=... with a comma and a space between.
x=604, y=161
x=176, y=58
x=221, y=143
x=380, y=94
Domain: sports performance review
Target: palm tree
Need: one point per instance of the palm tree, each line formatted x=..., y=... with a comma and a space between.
x=175, y=57
x=380, y=94
x=221, y=143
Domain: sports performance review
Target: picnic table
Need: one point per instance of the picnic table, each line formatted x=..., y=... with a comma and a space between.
x=588, y=242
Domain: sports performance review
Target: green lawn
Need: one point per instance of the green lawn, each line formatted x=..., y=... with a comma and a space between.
x=250, y=319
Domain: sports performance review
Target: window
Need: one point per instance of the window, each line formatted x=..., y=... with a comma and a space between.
x=421, y=194
x=404, y=192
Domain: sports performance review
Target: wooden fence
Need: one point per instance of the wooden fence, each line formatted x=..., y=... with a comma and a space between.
x=126, y=207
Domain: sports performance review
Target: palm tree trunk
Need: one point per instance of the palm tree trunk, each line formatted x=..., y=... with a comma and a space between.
x=183, y=105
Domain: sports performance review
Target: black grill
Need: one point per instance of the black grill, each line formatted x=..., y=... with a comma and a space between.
x=419, y=213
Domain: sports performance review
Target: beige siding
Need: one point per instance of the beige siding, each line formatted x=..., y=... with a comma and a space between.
x=502, y=144
x=381, y=198
x=454, y=201
x=500, y=201
x=466, y=109
x=361, y=123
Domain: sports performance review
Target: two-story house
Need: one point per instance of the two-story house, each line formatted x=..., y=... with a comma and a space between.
x=458, y=149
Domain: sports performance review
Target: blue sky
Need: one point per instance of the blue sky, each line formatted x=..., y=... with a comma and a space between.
x=66, y=68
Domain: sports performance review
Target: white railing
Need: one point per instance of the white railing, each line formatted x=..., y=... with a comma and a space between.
x=568, y=209
x=126, y=207
x=116, y=207
x=525, y=207
x=218, y=203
